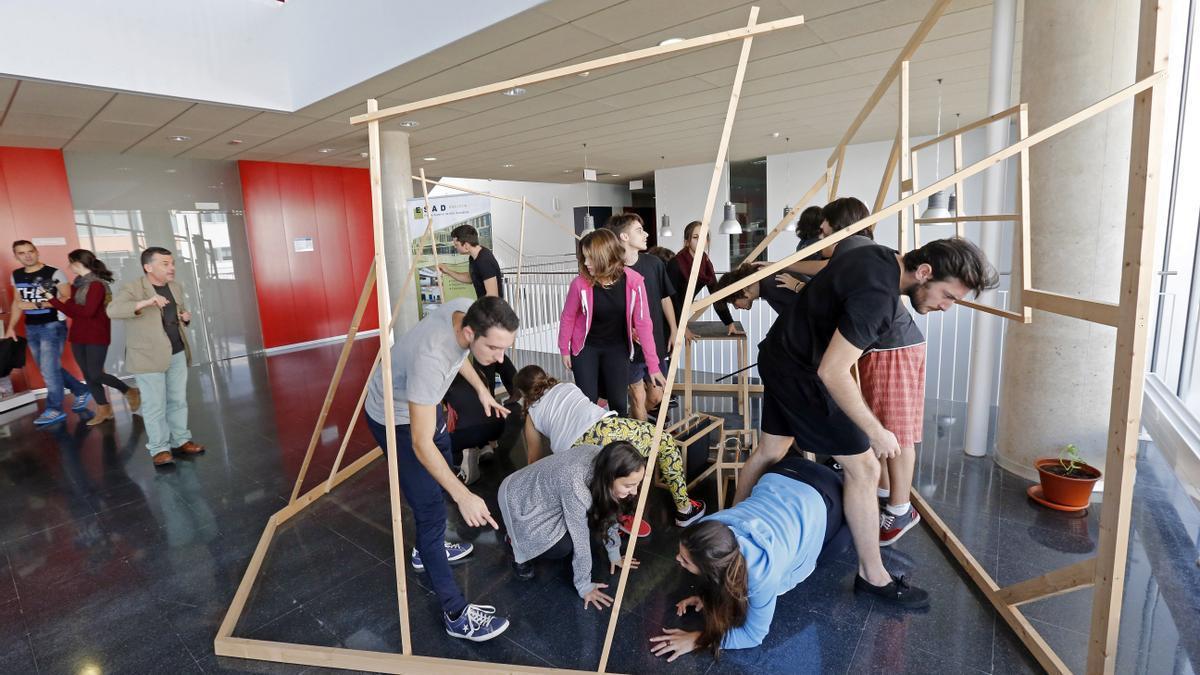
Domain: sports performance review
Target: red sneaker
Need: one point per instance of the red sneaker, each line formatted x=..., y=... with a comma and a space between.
x=892, y=527
x=626, y=525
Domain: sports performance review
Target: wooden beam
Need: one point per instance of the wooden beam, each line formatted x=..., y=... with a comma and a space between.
x=995, y=311
x=907, y=202
x=837, y=176
x=889, y=169
x=433, y=237
x=1024, y=238
x=520, y=257
x=1062, y=580
x=910, y=48
x=586, y=66
x=716, y=388
x=385, y=352
x=1106, y=313
x=368, y=661
x=1009, y=112
x=1141, y=217
x=1025, y=631
x=238, y=604
x=906, y=163
x=794, y=213
x=336, y=380
x=1013, y=217
x=689, y=292
x=285, y=514
x=533, y=207
x=960, y=197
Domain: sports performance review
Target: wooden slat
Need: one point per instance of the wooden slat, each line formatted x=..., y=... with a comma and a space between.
x=1141, y=217
x=960, y=197
x=433, y=238
x=368, y=661
x=336, y=380
x=889, y=169
x=1024, y=236
x=516, y=299
x=530, y=205
x=717, y=388
x=907, y=202
x=1106, y=313
x=995, y=311
x=906, y=164
x=1014, y=217
x=964, y=129
x=238, y=604
x=586, y=66
x=1028, y=634
x=910, y=48
x=1063, y=580
x=286, y=513
x=689, y=293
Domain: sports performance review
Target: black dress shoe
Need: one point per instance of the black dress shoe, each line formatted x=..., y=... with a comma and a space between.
x=898, y=592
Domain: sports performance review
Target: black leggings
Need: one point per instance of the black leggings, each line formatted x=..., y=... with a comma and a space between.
x=607, y=365
x=828, y=484
x=91, y=361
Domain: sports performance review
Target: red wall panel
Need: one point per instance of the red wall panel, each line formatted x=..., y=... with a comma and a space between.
x=35, y=201
x=306, y=296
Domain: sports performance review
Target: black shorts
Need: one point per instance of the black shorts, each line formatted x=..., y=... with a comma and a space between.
x=799, y=408
x=640, y=372
x=828, y=484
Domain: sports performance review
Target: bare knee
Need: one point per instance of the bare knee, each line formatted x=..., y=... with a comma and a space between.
x=863, y=467
x=772, y=448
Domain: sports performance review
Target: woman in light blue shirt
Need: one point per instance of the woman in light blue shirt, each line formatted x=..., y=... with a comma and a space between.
x=748, y=555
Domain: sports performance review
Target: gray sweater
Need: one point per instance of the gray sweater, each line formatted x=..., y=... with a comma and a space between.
x=550, y=498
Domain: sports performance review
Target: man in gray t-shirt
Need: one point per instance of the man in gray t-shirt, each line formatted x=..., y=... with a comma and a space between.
x=424, y=363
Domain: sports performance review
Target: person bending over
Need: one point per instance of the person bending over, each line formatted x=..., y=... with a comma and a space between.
x=749, y=555
x=425, y=361
x=780, y=292
x=561, y=412
x=605, y=312
x=553, y=508
x=473, y=432
x=810, y=397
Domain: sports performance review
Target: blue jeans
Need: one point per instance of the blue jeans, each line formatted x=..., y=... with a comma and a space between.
x=164, y=405
x=425, y=498
x=46, y=341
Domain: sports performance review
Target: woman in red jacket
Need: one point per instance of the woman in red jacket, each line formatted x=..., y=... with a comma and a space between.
x=605, y=311
x=90, y=331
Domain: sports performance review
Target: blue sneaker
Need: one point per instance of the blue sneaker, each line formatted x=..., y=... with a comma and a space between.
x=454, y=553
x=50, y=417
x=81, y=401
x=477, y=623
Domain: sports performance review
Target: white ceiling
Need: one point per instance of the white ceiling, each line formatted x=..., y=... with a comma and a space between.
x=806, y=83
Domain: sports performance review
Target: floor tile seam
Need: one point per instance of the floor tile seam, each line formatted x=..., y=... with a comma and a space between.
x=505, y=636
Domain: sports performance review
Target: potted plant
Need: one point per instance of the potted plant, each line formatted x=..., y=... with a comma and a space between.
x=1068, y=480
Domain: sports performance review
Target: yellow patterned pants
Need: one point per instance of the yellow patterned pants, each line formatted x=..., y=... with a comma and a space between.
x=640, y=434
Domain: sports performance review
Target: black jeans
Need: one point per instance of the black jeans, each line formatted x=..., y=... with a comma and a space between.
x=91, y=361
x=828, y=484
x=606, y=365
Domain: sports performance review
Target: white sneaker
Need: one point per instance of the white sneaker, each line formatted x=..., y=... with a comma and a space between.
x=468, y=471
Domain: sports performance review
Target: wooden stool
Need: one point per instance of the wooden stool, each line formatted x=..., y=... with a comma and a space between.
x=715, y=330
x=687, y=432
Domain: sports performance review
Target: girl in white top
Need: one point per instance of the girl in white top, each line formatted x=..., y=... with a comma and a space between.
x=566, y=416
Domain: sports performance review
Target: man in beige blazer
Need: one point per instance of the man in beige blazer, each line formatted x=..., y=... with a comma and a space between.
x=157, y=353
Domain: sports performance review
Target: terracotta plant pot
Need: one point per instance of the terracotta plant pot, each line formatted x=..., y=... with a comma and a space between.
x=1066, y=490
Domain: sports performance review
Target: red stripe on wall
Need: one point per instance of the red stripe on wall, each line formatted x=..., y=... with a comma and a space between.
x=35, y=201
x=306, y=296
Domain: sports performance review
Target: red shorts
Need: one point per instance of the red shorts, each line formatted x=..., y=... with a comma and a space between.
x=893, y=385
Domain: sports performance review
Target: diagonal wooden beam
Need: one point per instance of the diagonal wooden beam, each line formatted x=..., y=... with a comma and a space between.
x=1062, y=580
x=586, y=66
x=709, y=202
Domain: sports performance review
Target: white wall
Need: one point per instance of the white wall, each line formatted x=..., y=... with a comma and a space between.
x=542, y=237
x=679, y=192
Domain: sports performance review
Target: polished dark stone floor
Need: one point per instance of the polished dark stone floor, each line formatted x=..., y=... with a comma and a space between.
x=111, y=566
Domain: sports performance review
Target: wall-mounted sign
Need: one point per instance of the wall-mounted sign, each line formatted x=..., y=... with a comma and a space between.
x=302, y=244
x=49, y=241
x=635, y=185
x=208, y=206
x=589, y=174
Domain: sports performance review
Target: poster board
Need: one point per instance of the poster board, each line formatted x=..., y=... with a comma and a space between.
x=447, y=213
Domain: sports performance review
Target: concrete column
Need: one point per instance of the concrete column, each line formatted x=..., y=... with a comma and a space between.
x=986, y=328
x=1058, y=371
x=397, y=189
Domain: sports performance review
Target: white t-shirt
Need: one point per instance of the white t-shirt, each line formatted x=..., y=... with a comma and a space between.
x=563, y=414
x=424, y=363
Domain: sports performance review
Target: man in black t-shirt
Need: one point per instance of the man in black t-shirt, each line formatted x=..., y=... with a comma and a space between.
x=811, y=398
x=34, y=284
x=631, y=231
x=483, y=271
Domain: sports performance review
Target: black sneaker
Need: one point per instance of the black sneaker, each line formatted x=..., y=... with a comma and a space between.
x=695, y=512
x=524, y=571
x=898, y=592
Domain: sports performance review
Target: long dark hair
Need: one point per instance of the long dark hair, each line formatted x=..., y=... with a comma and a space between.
x=723, y=583
x=615, y=460
x=532, y=383
x=89, y=260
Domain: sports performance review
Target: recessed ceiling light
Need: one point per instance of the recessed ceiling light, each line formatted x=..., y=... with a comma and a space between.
x=567, y=171
x=585, y=73
x=179, y=139
x=774, y=134
x=170, y=170
x=508, y=166
x=670, y=41
x=236, y=141
x=429, y=159
x=515, y=91
x=364, y=154
x=409, y=123
x=615, y=175
x=326, y=151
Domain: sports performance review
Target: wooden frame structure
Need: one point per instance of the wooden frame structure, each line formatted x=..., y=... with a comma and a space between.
x=1106, y=572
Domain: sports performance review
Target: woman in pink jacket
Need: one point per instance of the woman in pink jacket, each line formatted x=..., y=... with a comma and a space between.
x=606, y=310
